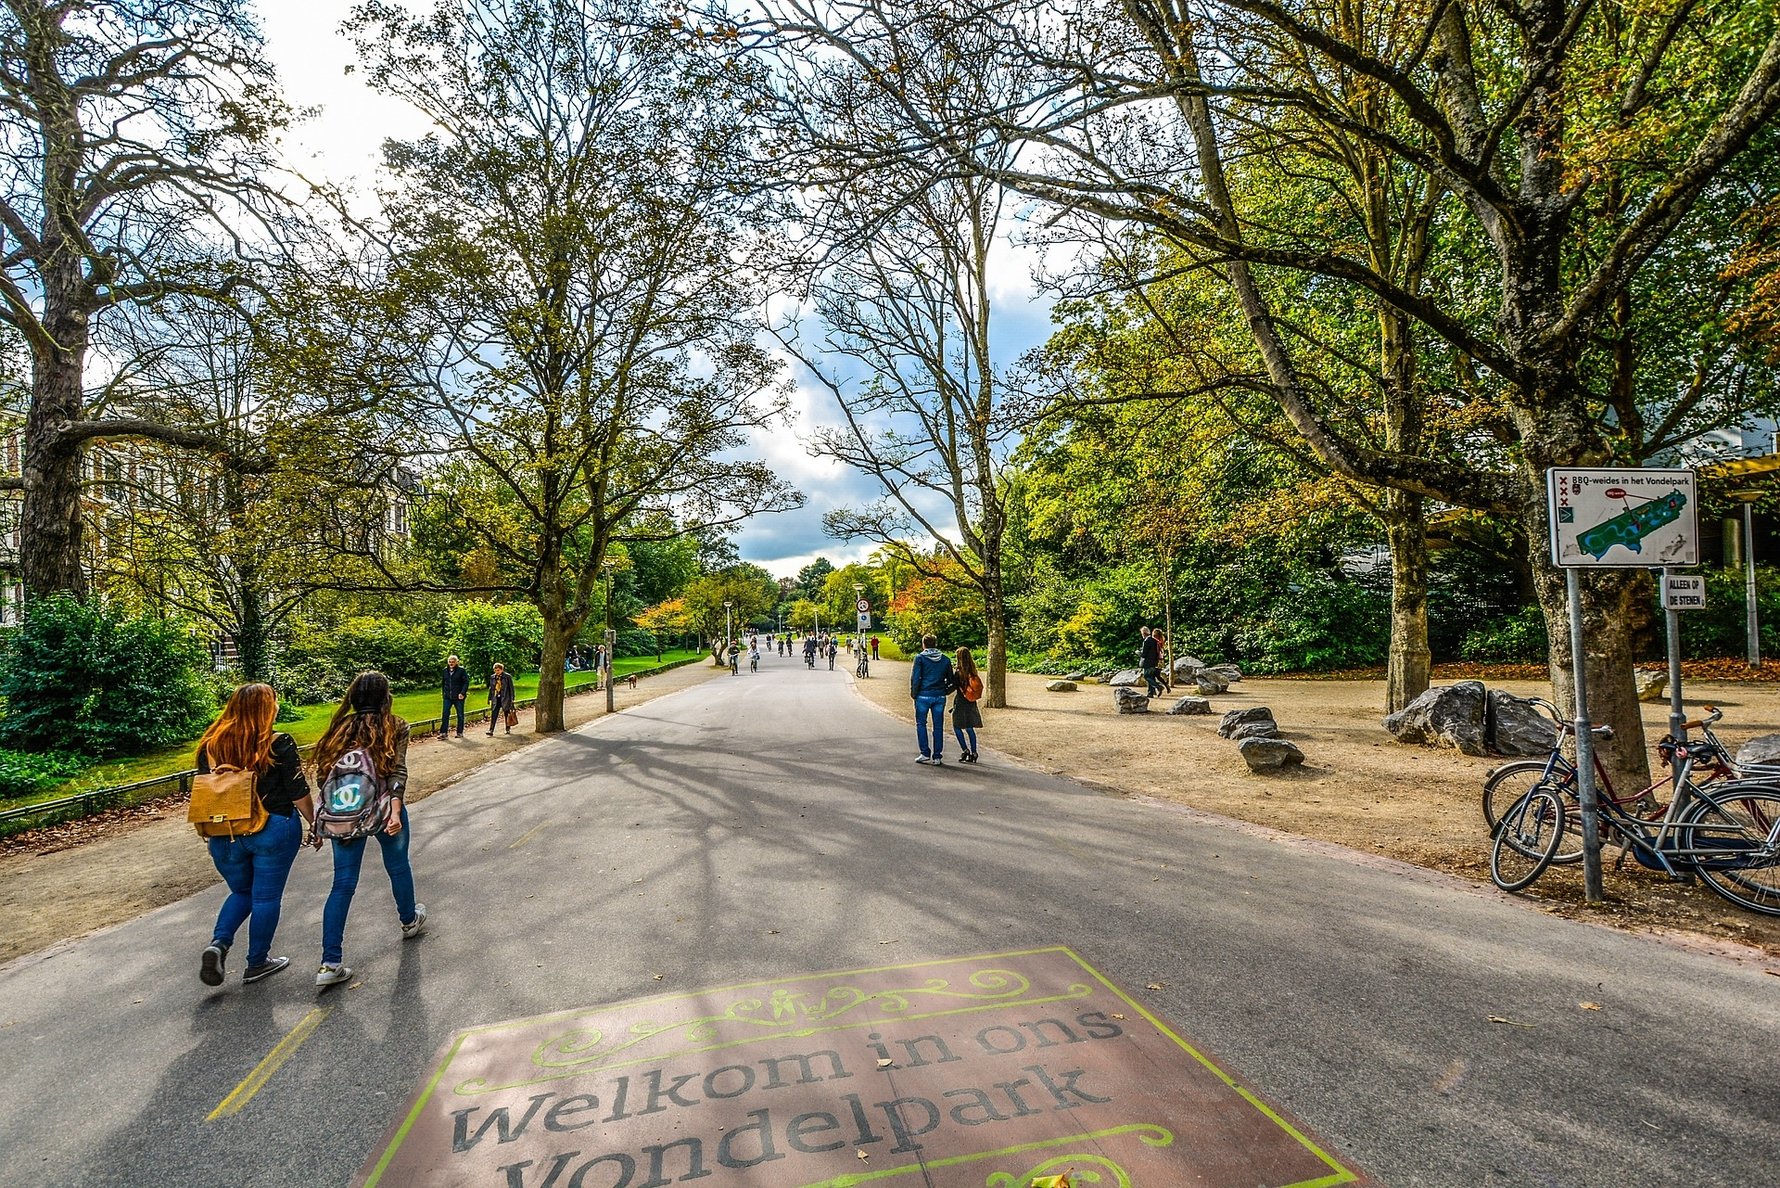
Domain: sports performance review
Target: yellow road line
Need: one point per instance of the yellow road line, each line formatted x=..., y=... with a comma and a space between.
x=274, y=1061
x=529, y=834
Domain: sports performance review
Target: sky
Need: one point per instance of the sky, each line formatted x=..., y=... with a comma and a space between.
x=341, y=142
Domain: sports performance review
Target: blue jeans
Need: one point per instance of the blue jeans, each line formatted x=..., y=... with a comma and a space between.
x=445, y=715
x=255, y=867
x=967, y=738
x=348, y=857
x=934, y=707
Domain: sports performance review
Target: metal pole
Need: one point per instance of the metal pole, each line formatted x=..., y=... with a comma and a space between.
x=610, y=640
x=1585, y=748
x=1677, y=716
x=1753, y=624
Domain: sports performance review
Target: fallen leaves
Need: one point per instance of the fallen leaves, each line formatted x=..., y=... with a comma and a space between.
x=1509, y=1022
x=1589, y=1006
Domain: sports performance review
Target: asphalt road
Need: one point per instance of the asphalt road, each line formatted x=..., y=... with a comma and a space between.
x=773, y=824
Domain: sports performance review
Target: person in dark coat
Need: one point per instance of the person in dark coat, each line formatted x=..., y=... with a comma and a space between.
x=500, y=698
x=455, y=690
x=930, y=679
x=1150, y=654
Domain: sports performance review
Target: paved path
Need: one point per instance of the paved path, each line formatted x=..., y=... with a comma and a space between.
x=772, y=825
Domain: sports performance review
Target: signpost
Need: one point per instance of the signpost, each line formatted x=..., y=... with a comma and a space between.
x=1641, y=518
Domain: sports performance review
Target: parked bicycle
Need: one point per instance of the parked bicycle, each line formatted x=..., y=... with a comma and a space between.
x=1724, y=829
x=862, y=665
x=1508, y=783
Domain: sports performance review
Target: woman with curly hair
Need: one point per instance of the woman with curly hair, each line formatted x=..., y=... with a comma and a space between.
x=254, y=865
x=365, y=721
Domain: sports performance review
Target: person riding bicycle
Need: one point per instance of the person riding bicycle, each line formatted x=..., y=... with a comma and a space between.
x=754, y=656
x=735, y=660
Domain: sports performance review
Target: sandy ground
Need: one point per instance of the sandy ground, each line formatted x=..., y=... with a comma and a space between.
x=64, y=883
x=1358, y=787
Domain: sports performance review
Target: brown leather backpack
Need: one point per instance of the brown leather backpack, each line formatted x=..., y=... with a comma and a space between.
x=224, y=803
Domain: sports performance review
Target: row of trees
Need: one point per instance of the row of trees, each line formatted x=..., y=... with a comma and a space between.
x=1319, y=260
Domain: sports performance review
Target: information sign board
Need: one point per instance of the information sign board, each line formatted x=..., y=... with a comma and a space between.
x=1684, y=592
x=864, y=620
x=1643, y=518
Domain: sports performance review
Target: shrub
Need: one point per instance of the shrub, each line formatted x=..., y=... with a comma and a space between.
x=406, y=654
x=482, y=632
x=1518, y=639
x=83, y=677
x=1720, y=628
x=26, y=773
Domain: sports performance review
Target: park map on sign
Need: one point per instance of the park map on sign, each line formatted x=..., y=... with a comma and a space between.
x=1630, y=527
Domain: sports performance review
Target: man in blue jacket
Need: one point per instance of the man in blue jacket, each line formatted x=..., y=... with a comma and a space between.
x=929, y=682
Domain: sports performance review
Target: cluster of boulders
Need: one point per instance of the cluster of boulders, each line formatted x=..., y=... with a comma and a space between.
x=1257, y=737
x=1474, y=720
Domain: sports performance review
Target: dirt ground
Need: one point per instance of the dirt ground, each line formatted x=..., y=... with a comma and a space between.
x=1358, y=787
x=68, y=880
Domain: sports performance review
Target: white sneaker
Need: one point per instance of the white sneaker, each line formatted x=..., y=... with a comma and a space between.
x=417, y=925
x=332, y=975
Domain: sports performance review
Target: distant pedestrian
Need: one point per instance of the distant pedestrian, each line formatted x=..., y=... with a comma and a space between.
x=929, y=682
x=874, y=647
x=833, y=651
x=255, y=865
x=501, y=702
x=1149, y=652
x=967, y=719
x=365, y=724
x=455, y=690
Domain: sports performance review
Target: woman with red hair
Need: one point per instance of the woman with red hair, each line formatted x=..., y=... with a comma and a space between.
x=255, y=865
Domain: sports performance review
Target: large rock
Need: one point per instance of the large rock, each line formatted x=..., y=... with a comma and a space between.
x=1126, y=677
x=1061, y=686
x=1270, y=754
x=1186, y=666
x=1761, y=751
x=1190, y=705
x=1229, y=672
x=1516, y=728
x=1230, y=721
x=1074, y=676
x=1652, y=684
x=1209, y=683
x=1130, y=701
x=1446, y=715
x=1260, y=728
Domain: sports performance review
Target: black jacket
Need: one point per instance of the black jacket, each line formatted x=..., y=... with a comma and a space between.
x=455, y=682
x=1151, y=652
x=281, y=785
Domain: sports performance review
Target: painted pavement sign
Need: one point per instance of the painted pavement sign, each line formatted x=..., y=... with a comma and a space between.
x=1644, y=518
x=1001, y=1071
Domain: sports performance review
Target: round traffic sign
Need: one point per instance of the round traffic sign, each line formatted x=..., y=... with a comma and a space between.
x=864, y=605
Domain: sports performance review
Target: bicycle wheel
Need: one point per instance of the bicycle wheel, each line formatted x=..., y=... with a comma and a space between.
x=1528, y=836
x=1734, y=828
x=1506, y=785
x=1512, y=781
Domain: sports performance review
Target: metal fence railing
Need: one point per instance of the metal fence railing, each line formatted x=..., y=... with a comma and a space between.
x=179, y=783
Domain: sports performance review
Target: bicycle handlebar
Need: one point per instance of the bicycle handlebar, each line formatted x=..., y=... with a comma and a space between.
x=1713, y=713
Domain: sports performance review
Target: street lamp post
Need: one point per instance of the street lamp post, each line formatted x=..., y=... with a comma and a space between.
x=728, y=637
x=611, y=639
x=1751, y=619
x=858, y=597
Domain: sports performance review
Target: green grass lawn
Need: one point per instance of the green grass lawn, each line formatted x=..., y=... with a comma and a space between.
x=415, y=706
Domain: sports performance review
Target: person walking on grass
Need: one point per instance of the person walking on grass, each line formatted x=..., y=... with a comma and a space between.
x=256, y=865
x=365, y=725
x=456, y=691
x=501, y=701
x=967, y=719
x=930, y=680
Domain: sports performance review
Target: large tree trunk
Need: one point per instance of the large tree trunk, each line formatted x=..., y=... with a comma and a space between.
x=995, y=611
x=50, y=524
x=1411, y=661
x=253, y=651
x=1610, y=598
x=559, y=633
